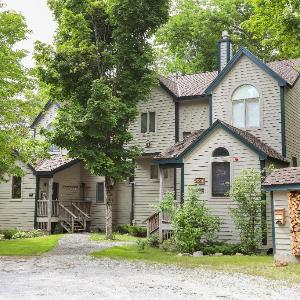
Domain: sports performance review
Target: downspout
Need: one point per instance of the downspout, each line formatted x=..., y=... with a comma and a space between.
x=273, y=223
x=37, y=195
x=182, y=185
x=210, y=110
x=176, y=140
x=264, y=199
x=282, y=103
x=132, y=193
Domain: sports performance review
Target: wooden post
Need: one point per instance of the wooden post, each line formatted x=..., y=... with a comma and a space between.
x=49, y=206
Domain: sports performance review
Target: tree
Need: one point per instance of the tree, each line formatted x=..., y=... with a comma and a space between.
x=17, y=104
x=276, y=25
x=188, y=42
x=248, y=196
x=100, y=69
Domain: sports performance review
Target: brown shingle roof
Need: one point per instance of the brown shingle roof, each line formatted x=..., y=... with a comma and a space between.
x=283, y=176
x=178, y=149
x=196, y=84
x=56, y=161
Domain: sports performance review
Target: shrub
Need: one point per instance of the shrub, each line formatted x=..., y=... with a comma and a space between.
x=169, y=245
x=193, y=223
x=219, y=247
x=1, y=236
x=122, y=229
x=137, y=231
x=28, y=234
x=8, y=233
x=141, y=245
x=58, y=229
x=153, y=240
x=247, y=194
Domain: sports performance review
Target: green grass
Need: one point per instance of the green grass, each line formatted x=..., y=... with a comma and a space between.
x=28, y=247
x=100, y=237
x=251, y=265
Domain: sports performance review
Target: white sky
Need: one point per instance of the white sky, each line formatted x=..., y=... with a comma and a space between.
x=39, y=20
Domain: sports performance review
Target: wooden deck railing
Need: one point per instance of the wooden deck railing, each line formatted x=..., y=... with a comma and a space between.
x=67, y=216
x=82, y=217
x=42, y=208
x=84, y=206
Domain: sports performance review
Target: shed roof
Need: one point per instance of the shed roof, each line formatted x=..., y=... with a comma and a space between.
x=285, y=176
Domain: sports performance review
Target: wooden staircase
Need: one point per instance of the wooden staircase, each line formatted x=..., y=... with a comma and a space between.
x=73, y=221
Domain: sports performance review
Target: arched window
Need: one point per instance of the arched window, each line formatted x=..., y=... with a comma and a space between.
x=220, y=152
x=220, y=173
x=245, y=107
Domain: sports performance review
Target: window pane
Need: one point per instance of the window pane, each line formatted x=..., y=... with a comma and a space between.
x=166, y=173
x=252, y=111
x=151, y=121
x=220, y=152
x=154, y=172
x=245, y=92
x=238, y=114
x=100, y=192
x=144, y=123
x=220, y=179
x=16, y=187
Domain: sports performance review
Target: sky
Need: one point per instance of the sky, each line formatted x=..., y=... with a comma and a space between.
x=39, y=20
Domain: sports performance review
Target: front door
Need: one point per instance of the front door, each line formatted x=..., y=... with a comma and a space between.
x=55, y=190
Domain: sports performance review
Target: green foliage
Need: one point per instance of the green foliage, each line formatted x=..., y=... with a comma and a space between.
x=167, y=204
x=219, y=247
x=188, y=42
x=193, y=223
x=59, y=229
x=169, y=245
x=17, y=106
x=247, y=194
x=153, y=240
x=276, y=25
x=136, y=231
x=14, y=234
x=141, y=245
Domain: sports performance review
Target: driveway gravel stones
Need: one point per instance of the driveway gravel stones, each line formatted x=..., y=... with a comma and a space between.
x=69, y=272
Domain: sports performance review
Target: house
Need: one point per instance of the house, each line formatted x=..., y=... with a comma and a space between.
x=195, y=130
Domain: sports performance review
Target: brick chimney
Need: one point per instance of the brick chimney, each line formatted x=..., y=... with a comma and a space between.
x=225, y=51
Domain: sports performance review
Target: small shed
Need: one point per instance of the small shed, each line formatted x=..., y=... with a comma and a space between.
x=284, y=186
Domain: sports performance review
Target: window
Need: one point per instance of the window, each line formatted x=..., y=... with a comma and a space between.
x=186, y=134
x=148, y=122
x=166, y=173
x=220, y=179
x=220, y=152
x=100, y=192
x=154, y=172
x=16, y=187
x=294, y=161
x=52, y=148
x=245, y=107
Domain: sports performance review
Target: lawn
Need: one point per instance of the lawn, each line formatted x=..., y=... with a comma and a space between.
x=28, y=247
x=252, y=265
x=100, y=237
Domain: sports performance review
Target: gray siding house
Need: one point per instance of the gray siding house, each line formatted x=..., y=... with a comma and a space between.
x=195, y=130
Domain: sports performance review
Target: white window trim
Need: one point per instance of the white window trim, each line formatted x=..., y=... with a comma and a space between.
x=260, y=104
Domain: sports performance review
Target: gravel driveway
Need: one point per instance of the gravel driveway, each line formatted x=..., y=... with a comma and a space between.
x=69, y=273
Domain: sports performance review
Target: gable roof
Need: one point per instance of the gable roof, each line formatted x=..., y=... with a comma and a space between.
x=41, y=114
x=179, y=150
x=56, y=163
x=201, y=84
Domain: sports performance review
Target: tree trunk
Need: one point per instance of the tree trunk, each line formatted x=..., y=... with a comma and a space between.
x=109, y=185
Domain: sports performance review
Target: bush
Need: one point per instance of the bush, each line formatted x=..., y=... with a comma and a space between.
x=1, y=236
x=138, y=231
x=8, y=233
x=58, y=229
x=219, y=247
x=28, y=234
x=193, y=223
x=141, y=245
x=169, y=245
x=122, y=229
x=247, y=194
x=153, y=240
